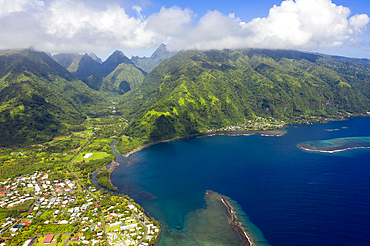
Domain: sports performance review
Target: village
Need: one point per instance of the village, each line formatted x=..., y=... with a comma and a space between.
x=62, y=212
x=257, y=124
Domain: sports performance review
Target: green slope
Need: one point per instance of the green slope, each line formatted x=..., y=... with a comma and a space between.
x=37, y=96
x=149, y=63
x=117, y=74
x=194, y=90
x=71, y=61
x=122, y=79
x=128, y=73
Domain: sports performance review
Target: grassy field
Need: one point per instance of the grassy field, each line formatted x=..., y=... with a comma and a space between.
x=111, y=229
x=95, y=156
x=64, y=238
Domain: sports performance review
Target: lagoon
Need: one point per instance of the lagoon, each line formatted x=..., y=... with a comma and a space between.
x=285, y=195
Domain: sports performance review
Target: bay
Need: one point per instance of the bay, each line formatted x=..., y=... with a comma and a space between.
x=286, y=196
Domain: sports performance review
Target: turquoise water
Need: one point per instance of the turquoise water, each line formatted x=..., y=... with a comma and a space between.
x=286, y=196
x=336, y=145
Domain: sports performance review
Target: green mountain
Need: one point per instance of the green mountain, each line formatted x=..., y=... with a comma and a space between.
x=126, y=75
x=122, y=79
x=149, y=63
x=194, y=90
x=37, y=95
x=117, y=74
x=85, y=67
x=113, y=61
x=71, y=60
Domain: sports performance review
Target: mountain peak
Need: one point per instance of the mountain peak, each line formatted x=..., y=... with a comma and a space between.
x=95, y=57
x=149, y=63
x=116, y=58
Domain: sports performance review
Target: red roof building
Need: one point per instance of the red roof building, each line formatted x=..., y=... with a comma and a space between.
x=25, y=223
x=48, y=238
x=75, y=238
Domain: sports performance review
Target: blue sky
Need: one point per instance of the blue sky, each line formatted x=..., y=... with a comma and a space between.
x=137, y=27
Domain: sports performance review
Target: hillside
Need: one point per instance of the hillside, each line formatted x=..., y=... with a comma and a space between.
x=194, y=91
x=37, y=96
x=117, y=74
x=71, y=60
x=149, y=63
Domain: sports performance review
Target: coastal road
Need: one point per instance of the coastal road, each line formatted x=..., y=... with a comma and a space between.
x=143, y=224
x=82, y=185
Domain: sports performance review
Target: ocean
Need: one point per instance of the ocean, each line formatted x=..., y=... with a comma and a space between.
x=284, y=195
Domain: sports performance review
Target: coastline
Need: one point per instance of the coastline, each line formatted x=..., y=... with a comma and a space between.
x=112, y=167
x=234, y=222
x=151, y=144
x=264, y=133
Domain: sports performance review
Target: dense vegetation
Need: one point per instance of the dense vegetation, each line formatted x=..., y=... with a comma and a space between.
x=121, y=80
x=53, y=155
x=103, y=177
x=194, y=90
x=37, y=96
x=117, y=74
x=187, y=94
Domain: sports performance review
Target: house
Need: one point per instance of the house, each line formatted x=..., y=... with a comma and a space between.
x=88, y=155
x=25, y=223
x=48, y=239
x=75, y=238
x=128, y=227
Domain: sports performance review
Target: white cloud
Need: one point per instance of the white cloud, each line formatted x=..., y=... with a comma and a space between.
x=7, y=7
x=169, y=21
x=138, y=10
x=77, y=26
x=74, y=26
x=300, y=24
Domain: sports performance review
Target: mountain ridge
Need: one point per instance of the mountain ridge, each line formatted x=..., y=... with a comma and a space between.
x=117, y=74
x=198, y=90
x=149, y=63
x=38, y=96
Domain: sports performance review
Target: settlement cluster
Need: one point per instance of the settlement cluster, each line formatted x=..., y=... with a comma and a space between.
x=61, y=212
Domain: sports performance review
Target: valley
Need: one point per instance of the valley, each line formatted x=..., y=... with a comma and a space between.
x=59, y=114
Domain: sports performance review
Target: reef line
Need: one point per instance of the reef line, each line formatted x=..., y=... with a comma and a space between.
x=233, y=218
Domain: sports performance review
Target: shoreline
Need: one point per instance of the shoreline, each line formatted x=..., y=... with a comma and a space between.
x=263, y=133
x=111, y=169
x=234, y=223
x=151, y=144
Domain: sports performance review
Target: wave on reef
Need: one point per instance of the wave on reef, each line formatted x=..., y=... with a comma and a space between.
x=249, y=233
x=336, y=145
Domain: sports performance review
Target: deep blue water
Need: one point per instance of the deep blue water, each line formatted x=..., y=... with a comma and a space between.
x=294, y=197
